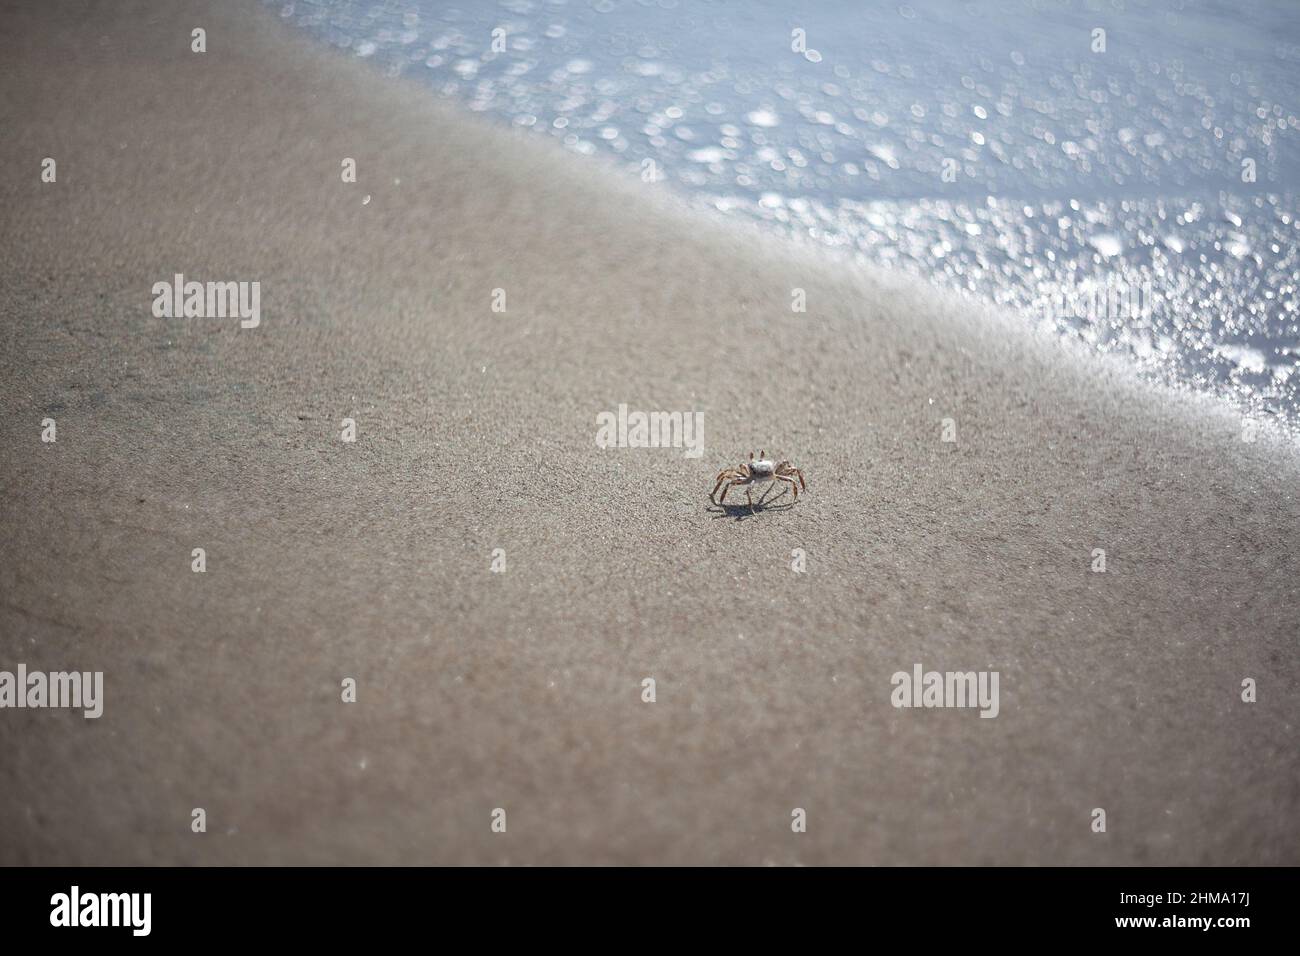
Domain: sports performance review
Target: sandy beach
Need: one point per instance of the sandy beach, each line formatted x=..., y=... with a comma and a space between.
x=521, y=688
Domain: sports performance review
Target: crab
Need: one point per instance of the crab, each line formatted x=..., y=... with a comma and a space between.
x=758, y=471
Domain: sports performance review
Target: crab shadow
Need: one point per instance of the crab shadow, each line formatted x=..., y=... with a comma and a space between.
x=742, y=511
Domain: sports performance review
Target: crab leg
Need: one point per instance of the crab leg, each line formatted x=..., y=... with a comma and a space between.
x=731, y=473
x=767, y=491
x=785, y=470
x=733, y=481
x=721, y=478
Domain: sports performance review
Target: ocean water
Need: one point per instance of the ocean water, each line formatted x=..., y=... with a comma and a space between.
x=1135, y=188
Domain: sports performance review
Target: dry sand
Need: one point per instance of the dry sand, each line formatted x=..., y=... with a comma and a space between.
x=522, y=690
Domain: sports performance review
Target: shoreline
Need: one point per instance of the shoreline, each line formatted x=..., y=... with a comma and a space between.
x=475, y=432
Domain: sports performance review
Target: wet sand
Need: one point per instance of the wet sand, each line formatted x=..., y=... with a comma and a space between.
x=475, y=431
